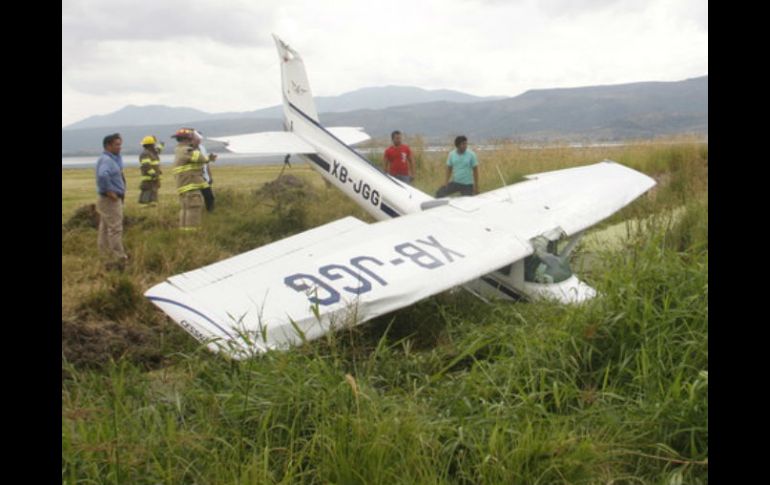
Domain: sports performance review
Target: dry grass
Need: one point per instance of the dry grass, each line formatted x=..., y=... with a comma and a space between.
x=449, y=390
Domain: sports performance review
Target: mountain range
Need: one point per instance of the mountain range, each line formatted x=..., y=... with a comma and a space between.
x=365, y=98
x=595, y=113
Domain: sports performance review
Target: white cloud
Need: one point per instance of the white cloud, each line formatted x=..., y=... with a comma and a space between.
x=219, y=56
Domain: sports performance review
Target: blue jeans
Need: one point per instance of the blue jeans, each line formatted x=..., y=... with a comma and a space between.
x=453, y=187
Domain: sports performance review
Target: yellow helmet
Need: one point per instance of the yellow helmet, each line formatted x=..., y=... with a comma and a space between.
x=149, y=140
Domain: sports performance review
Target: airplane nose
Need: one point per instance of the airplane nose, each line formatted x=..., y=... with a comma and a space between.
x=582, y=292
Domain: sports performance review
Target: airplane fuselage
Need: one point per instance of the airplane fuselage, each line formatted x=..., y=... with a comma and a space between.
x=379, y=194
x=382, y=196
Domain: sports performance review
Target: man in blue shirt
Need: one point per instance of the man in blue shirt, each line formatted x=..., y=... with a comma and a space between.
x=111, y=186
x=462, y=173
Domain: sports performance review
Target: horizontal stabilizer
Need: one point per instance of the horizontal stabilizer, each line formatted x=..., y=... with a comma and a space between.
x=349, y=135
x=266, y=143
x=283, y=142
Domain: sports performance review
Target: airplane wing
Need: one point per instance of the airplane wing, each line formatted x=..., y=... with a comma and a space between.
x=283, y=142
x=315, y=280
x=348, y=272
x=572, y=199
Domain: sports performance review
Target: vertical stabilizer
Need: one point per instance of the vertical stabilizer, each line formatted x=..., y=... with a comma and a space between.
x=294, y=84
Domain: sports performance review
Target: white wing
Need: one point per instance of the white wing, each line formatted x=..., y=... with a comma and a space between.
x=573, y=199
x=280, y=290
x=304, y=285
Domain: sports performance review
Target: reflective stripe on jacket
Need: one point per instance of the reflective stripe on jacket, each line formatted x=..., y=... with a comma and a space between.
x=149, y=163
x=188, y=168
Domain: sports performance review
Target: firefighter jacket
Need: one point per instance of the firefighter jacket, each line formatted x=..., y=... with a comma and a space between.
x=188, y=168
x=149, y=163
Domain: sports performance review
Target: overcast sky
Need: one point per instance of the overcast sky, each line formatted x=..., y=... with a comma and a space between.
x=218, y=55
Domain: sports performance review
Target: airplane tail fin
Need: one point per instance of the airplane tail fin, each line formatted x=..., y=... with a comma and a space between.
x=294, y=84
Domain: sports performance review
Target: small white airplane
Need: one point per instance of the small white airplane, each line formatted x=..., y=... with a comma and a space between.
x=499, y=244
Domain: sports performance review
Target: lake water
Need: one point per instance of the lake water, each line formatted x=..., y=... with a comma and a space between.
x=168, y=159
x=238, y=159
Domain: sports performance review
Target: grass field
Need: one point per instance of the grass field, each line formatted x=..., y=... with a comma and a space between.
x=450, y=390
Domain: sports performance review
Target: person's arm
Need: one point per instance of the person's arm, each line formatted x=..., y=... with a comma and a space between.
x=448, y=175
x=145, y=165
x=104, y=180
x=411, y=163
x=475, y=180
x=201, y=156
x=148, y=169
x=386, y=161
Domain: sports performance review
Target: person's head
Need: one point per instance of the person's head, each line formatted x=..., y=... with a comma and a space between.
x=149, y=142
x=396, y=137
x=187, y=135
x=461, y=143
x=112, y=143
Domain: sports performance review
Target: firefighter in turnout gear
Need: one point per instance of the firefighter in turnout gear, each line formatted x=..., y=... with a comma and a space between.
x=149, y=162
x=188, y=170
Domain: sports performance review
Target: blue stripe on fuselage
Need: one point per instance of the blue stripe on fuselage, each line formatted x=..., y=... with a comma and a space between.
x=318, y=125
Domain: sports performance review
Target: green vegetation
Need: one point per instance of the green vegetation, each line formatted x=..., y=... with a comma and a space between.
x=450, y=390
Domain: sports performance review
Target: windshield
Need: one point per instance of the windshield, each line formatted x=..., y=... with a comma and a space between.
x=546, y=267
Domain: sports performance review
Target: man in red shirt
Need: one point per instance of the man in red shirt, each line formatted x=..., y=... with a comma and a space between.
x=398, y=159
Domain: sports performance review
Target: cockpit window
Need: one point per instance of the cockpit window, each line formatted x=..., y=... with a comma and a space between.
x=545, y=266
x=505, y=270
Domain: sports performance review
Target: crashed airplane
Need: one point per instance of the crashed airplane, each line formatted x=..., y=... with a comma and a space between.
x=499, y=244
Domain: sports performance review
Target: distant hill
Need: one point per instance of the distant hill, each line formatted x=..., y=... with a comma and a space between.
x=596, y=113
x=141, y=115
x=638, y=110
x=370, y=98
x=388, y=96
x=88, y=141
x=366, y=98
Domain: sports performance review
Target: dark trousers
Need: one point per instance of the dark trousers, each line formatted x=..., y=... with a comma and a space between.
x=208, y=197
x=404, y=178
x=453, y=187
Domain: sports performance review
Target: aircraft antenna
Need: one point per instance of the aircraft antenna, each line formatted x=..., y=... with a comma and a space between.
x=505, y=184
x=285, y=163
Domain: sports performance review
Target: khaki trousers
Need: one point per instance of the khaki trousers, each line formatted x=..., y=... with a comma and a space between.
x=110, y=239
x=191, y=209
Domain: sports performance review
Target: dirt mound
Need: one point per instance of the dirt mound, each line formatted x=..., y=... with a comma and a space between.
x=114, y=322
x=84, y=216
x=288, y=197
x=93, y=343
x=283, y=188
x=87, y=216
